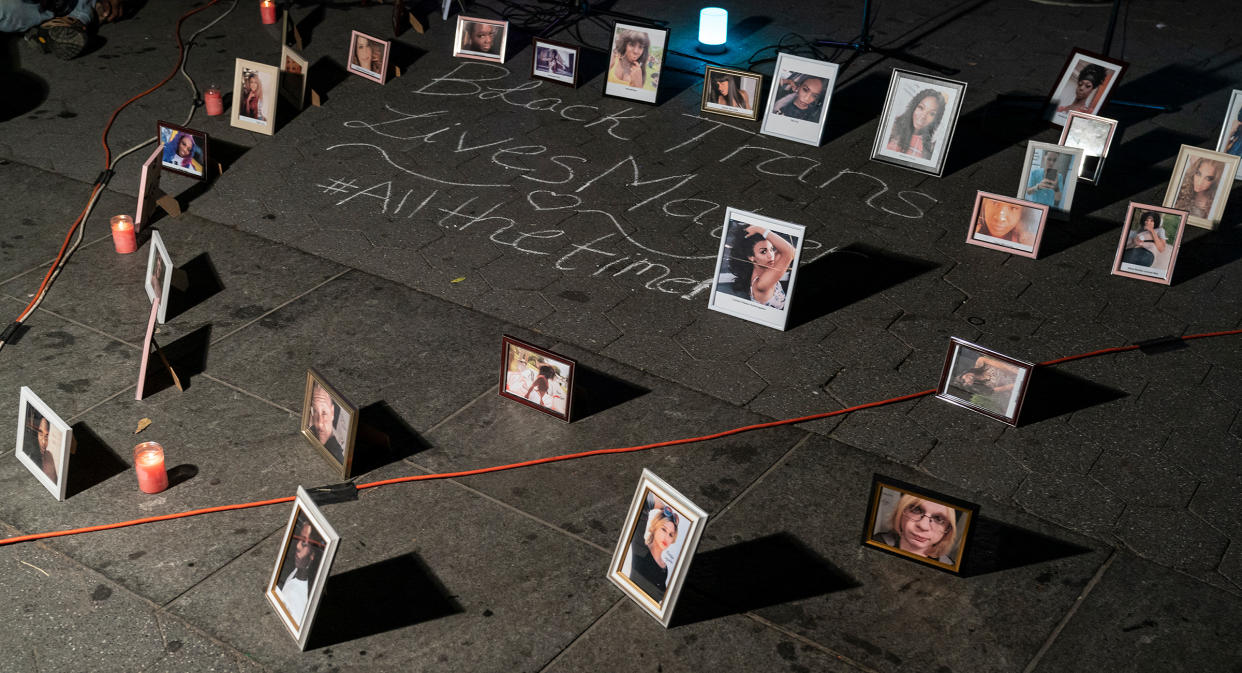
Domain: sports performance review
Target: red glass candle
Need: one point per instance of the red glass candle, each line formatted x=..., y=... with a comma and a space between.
x=124, y=238
x=267, y=11
x=149, y=464
x=213, y=100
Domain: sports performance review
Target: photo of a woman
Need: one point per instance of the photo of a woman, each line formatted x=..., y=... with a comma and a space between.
x=536, y=378
x=1230, y=141
x=251, y=98
x=367, y=56
x=919, y=526
x=1149, y=241
x=726, y=90
x=36, y=444
x=1146, y=242
x=1007, y=224
x=758, y=260
x=913, y=131
x=183, y=150
x=651, y=558
x=1082, y=95
x=731, y=92
x=254, y=98
x=986, y=382
x=1199, y=183
x=630, y=52
x=1083, y=85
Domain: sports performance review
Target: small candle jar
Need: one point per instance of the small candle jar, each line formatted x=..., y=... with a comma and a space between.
x=267, y=11
x=149, y=464
x=213, y=100
x=124, y=238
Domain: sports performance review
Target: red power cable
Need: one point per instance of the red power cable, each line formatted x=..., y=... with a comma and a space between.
x=569, y=456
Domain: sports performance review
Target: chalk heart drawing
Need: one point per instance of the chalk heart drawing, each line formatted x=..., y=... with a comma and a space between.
x=543, y=199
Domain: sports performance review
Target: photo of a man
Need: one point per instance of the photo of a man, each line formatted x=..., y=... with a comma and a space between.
x=299, y=567
x=324, y=416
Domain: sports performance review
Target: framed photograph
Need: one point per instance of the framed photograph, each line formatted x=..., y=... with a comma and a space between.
x=306, y=553
x=1230, y=141
x=1050, y=175
x=483, y=39
x=1007, y=224
x=734, y=93
x=158, y=280
x=329, y=422
x=985, y=381
x=635, y=62
x=293, y=74
x=657, y=543
x=1093, y=135
x=755, y=268
x=798, y=99
x=368, y=57
x=554, y=61
x=916, y=127
x=43, y=442
x=1084, y=84
x=1149, y=243
x=918, y=524
x=1200, y=184
x=184, y=151
x=537, y=378
x=149, y=189
x=254, y=98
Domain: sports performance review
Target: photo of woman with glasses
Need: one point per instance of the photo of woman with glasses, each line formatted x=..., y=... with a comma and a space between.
x=918, y=526
x=652, y=553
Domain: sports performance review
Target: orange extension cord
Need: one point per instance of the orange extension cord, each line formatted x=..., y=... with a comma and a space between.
x=103, y=179
x=575, y=456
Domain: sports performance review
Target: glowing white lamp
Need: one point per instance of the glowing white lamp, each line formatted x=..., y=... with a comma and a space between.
x=713, y=30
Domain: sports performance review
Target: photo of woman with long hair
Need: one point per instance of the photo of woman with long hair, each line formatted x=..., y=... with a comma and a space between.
x=758, y=260
x=914, y=130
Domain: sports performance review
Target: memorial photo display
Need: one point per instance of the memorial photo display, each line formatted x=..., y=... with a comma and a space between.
x=482, y=39
x=918, y=524
x=1050, y=176
x=43, y=442
x=293, y=73
x=368, y=57
x=1093, y=135
x=635, y=62
x=306, y=553
x=535, y=377
x=183, y=151
x=254, y=96
x=1150, y=239
x=1230, y=141
x=158, y=281
x=916, y=127
x=329, y=422
x=658, y=540
x=1084, y=84
x=1007, y=224
x=1200, y=185
x=555, y=62
x=798, y=98
x=985, y=381
x=756, y=267
x=734, y=93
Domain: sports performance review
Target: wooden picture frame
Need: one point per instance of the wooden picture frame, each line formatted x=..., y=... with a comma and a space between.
x=329, y=422
x=918, y=524
x=739, y=89
x=294, y=72
x=526, y=370
x=254, y=96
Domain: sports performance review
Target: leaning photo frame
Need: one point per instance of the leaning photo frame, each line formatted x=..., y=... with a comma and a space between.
x=45, y=452
x=1093, y=135
x=798, y=99
x=732, y=93
x=294, y=70
x=1050, y=176
x=158, y=281
x=554, y=61
x=984, y=381
x=482, y=39
x=183, y=150
x=257, y=86
x=656, y=545
x=148, y=190
x=1150, y=240
x=1007, y=224
x=1230, y=141
x=329, y=422
x=527, y=371
x=307, y=550
x=1084, y=84
x=753, y=244
x=918, y=524
x=1200, y=185
x=916, y=127
x=368, y=57
x=636, y=55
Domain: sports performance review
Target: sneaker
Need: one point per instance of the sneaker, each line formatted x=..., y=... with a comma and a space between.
x=62, y=36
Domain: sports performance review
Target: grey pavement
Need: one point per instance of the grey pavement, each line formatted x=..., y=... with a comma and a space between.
x=391, y=236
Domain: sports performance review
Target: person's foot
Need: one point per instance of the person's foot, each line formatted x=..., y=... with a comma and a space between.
x=62, y=36
x=108, y=10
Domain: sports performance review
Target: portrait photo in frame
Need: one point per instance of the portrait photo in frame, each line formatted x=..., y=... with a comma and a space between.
x=329, y=422
x=368, y=56
x=1007, y=224
x=1084, y=84
x=1230, y=141
x=44, y=442
x=635, y=60
x=1200, y=185
x=183, y=151
x=916, y=127
x=1150, y=240
x=1050, y=176
x=554, y=61
x=798, y=99
x=158, y=281
x=1093, y=135
x=293, y=73
x=985, y=381
x=756, y=267
x=254, y=96
x=149, y=189
x=307, y=550
x=656, y=546
x=538, y=378
x=918, y=524
x=483, y=39
x=733, y=93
